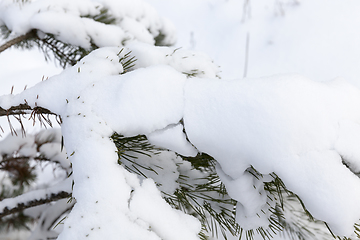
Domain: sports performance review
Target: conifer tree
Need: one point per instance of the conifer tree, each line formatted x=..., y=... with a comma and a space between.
x=196, y=188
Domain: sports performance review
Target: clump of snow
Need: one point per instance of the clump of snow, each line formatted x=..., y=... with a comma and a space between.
x=165, y=164
x=284, y=124
x=11, y=10
x=173, y=138
x=252, y=209
x=145, y=113
x=168, y=223
x=71, y=22
x=159, y=166
x=79, y=31
x=141, y=19
x=188, y=62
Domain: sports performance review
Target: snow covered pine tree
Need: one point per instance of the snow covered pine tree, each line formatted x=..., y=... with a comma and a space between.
x=150, y=130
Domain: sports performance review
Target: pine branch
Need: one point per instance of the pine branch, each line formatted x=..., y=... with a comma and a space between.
x=23, y=109
x=66, y=54
x=27, y=36
x=37, y=197
x=20, y=165
x=17, y=159
x=16, y=221
x=37, y=113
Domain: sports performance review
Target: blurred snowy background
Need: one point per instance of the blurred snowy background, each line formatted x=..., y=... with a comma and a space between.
x=315, y=38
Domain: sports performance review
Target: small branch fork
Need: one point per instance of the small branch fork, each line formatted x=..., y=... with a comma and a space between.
x=23, y=109
x=36, y=113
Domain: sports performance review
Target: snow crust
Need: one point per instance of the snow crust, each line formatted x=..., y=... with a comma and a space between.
x=289, y=125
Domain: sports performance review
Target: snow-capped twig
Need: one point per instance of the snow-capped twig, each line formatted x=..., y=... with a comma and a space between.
x=35, y=198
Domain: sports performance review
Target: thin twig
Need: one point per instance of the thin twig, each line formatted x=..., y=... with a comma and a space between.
x=246, y=54
x=22, y=109
x=18, y=111
x=31, y=34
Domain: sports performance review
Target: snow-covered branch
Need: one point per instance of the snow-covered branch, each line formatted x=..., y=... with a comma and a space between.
x=35, y=198
x=256, y=109
x=262, y=138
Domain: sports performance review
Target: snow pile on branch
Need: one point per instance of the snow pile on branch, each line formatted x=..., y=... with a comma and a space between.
x=94, y=158
x=289, y=125
x=302, y=130
x=84, y=22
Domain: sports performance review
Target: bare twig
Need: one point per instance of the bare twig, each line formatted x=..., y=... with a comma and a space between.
x=246, y=54
x=246, y=11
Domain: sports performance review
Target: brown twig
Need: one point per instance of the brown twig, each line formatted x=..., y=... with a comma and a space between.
x=31, y=34
x=22, y=109
x=36, y=113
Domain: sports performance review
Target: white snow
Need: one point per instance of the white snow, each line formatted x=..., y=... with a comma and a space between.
x=174, y=139
x=89, y=110
x=69, y=22
x=12, y=144
x=169, y=223
x=317, y=39
x=36, y=195
x=284, y=124
x=288, y=124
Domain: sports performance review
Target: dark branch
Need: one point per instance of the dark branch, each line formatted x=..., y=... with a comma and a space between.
x=20, y=159
x=22, y=206
x=31, y=34
x=23, y=109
